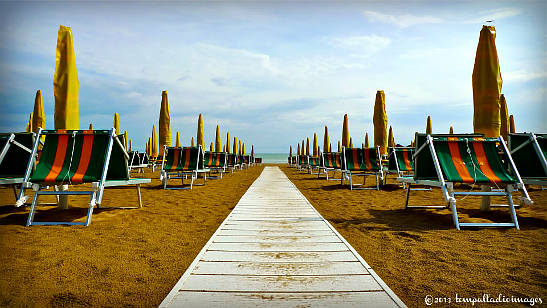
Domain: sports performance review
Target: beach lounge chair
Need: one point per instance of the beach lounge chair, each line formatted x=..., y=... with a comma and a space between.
x=314, y=163
x=179, y=163
x=215, y=161
x=244, y=161
x=258, y=160
x=400, y=162
x=443, y=160
x=15, y=154
x=529, y=152
x=95, y=157
x=362, y=161
x=232, y=162
x=303, y=162
x=331, y=162
x=136, y=161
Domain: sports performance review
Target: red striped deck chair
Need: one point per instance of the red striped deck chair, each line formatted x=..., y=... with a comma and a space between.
x=181, y=163
x=529, y=152
x=401, y=162
x=332, y=161
x=303, y=162
x=315, y=162
x=232, y=162
x=216, y=162
x=244, y=161
x=362, y=161
x=74, y=157
x=443, y=160
x=136, y=163
x=15, y=154
x=258, y=160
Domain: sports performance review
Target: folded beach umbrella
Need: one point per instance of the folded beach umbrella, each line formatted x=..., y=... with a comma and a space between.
x=218, y=146
x=243, y=148
x=164, y=123
x=345, y=131
x=350, y=142
x=211, y=148
x=235, y=146
x=339, y=148
x=177, y=141
x=65, y=82
x=130, y=145
x=326, y=140
x=90, y=126
x=28, y=127
x=290, y=151
x=487, y=83
x=366, y=140
x=298, y=149
x=451, y=131
x=379, y=119
x=511, y=124
x=154, y=145
x=504, y=118
x=307, y=146
x=315, y=145
x=253, y=150
x=239, y=147
x=390, y=139
x=227, y=142
x=148, y=147
x=428, y=128
x=192, y=144
x=116, y=124
x=38, y=118
x=30, y=122
x=125, y=140
x=318, y=150
x=200, y=138
x=303, y=148
x=330, y=147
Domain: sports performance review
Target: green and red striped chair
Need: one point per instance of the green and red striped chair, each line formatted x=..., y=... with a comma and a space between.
x=244, y=161
x=179, y=163
x=332, y=161
x=78, y=157
x=401, y=162
x=315, y=162
x=232, y=162
x=15, y=154
x=443, y=160
x=529, y=153
x=258, y=160
x=362, y=161
x=303, y=162
x=215, y=161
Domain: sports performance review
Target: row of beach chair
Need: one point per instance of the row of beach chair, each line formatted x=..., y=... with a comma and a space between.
x=443, y=160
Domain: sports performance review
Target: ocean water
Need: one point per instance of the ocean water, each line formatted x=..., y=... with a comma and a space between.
x=273, y=158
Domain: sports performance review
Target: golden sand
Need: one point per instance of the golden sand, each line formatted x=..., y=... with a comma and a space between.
x=135, y=257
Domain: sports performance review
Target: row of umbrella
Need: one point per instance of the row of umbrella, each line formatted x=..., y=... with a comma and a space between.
x=490, y=116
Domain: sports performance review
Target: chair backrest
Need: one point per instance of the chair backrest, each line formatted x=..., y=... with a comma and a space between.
x=303, y=159
x=15, y=160
x=529, y=152
x=424, y=167
x=173, y=161
x=471, y=160
x=332, y=160
x=214, y=159
x=232, y=160
x=79, y=156
x=315, y=161
x=258, y=160
x=400, y=159
x=143, y=158
x=364, y=159
x=134, y=159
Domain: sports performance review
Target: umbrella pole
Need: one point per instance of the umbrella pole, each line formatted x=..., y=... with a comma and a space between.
x=63, y=199
x=485, y=202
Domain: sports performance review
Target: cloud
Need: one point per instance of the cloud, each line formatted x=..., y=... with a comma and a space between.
x=523, y=75
x=494, y=15
x=365, y=44
x=402, y=21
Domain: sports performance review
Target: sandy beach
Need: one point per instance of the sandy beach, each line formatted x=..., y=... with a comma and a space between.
x=134, y=257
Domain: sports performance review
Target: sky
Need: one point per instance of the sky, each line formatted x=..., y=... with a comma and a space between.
x=273, y=73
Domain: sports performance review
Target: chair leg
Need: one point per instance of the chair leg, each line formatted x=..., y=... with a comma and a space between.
x=90, y=209
x=32, y=208
x=512, y=209
x=350, y=182
x=454, y=212
x=139, y=195
x=407, y=196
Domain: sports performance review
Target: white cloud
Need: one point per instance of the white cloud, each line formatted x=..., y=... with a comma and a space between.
x=365, y=44
x=494, y=15
x=402, y=21
x=523, y=75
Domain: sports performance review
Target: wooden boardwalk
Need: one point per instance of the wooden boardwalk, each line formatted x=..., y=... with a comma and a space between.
x=276, y=250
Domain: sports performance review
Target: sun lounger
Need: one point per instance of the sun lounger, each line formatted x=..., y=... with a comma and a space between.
x=314, y=163
x=362, y=161
x=258, y=160
x=443, y=160
x=303, y=162
x=245, y=161
x=179, y=163
x=529, y=152
x=136, y=161
x=95, y=157
x=400, y=162
x=232, y=162
x=215, y=161
x=15, y=154
x=332, y=161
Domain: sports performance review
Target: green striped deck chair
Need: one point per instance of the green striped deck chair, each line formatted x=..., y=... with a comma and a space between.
x=401, y=162
x=15, y=154
x=362, y=161
x=245, y=161
x=468, y=159
x=78, y=157
x=303, y=162
x=529, y=152
x=136, y=162
x=332, y=161
x=232, y=162
x=315, y=162
x=258, y=160
x=216, y=162
x=181, y=163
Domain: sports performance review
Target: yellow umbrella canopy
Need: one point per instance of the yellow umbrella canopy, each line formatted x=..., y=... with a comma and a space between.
x=487, y=83
x=330, y=147
x=211, y=148
x=243, y=148
x=28, y=127
x=218, y=146
x=345, y=132
x=379, y=119
x=177, y=141
x=303, y=148
x=315, y=145
x=90, y=126
x=116, y=124
x=504, y=118
x=339, y=148
x=193, y=143
x=350, y=142
x=164, y=123
x=307, y=146
x=318, y=150
x=30, y=122
x=65, y=82
x=125, y=140
x=38, y=118
x=227, y=142
x=326, y=140
x=290, y=151
x=154, y=146
x=366, y=140
x=239, y=147
x=148, y=147
x=200, y=139
x=390, y=138
x=252, y=150
x=130, y=145
x=298, y=149
x=234, y=148
x=451, y=131
x=224, y=148
x=511, y=124
x=428, y=128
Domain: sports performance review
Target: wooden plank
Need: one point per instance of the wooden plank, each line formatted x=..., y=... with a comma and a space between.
x=278, y=247
x=276, y=239
x=273, y=256
x=280, y=232
x=227, y=283
x=281, y=268
x=266, y=225
x=281, y=300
